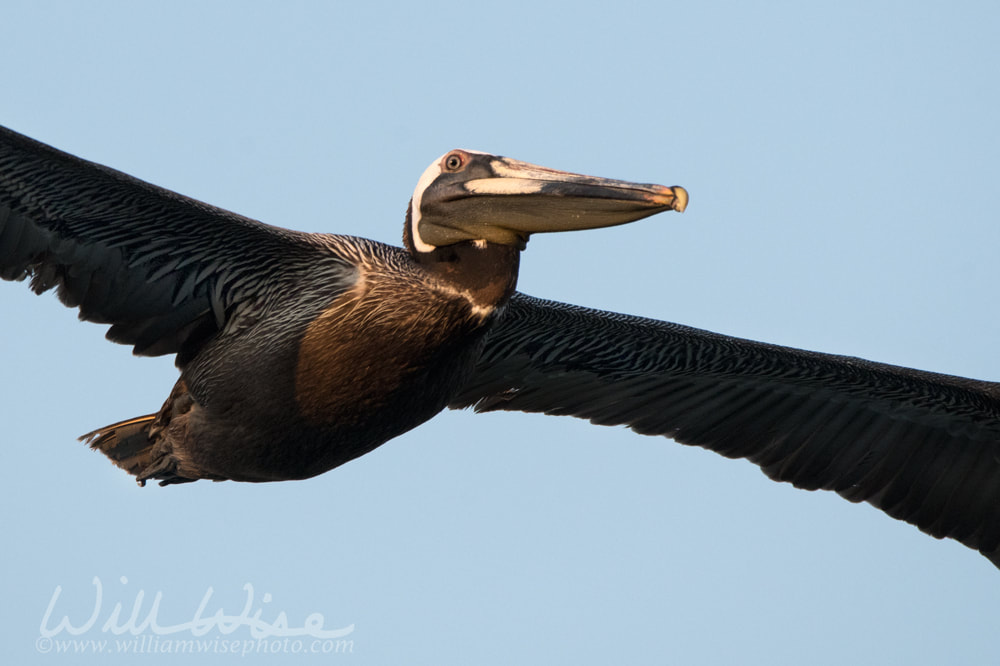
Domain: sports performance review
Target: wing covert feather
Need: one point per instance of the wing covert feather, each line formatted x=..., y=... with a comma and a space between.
x=165, y=270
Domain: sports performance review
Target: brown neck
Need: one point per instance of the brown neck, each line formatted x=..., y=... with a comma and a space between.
x=487, y=273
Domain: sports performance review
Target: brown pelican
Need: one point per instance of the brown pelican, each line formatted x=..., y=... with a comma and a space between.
x=299, y=352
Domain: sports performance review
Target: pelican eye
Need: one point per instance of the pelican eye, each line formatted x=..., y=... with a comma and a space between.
x=454, y=162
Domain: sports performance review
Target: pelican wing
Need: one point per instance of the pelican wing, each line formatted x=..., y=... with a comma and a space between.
x=166, y=271
x=923, y=447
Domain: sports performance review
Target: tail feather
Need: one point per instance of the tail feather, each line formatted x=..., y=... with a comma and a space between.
x=126, y=443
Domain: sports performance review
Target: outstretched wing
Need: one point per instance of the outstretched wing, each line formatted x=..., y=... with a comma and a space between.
x=166, y=271
x=923, y=447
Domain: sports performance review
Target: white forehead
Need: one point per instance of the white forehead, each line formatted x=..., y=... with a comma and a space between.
x=428, y=177
x=432, y=172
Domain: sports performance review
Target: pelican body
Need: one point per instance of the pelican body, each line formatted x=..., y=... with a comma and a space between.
x=299, y=352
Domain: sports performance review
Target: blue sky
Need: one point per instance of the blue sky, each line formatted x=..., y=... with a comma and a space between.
x=841, y=161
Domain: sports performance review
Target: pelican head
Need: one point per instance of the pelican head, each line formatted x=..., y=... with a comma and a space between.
x=471, y=196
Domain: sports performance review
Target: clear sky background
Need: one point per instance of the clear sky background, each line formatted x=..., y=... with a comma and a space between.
x=842, y=161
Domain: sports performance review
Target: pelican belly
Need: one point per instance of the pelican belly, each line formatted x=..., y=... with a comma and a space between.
x=370, y=367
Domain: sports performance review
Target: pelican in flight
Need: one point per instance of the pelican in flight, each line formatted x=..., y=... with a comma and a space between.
x=299, y=352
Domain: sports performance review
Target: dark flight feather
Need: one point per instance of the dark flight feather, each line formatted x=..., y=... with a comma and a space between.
x=922, y=447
